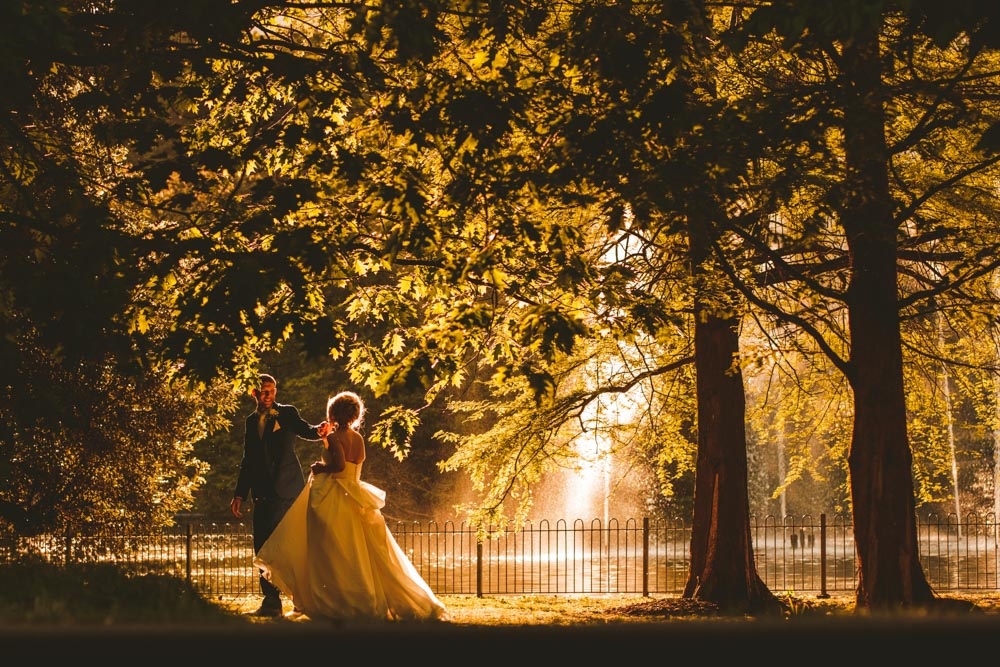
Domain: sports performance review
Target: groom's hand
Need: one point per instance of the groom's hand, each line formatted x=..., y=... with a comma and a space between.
x=235, y=507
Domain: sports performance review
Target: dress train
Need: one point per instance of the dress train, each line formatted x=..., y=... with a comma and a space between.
x=334, y=556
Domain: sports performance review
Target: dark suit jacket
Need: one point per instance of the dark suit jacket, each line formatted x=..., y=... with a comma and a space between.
x=270, y=468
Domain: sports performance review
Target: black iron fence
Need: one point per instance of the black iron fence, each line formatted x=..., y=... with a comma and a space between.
x=642, y=557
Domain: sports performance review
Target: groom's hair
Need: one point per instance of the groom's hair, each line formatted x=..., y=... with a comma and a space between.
x=264, y=377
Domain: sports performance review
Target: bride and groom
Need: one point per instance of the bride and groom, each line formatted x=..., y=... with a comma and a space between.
x=323, y=542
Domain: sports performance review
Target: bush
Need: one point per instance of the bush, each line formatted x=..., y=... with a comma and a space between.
x=43, y=593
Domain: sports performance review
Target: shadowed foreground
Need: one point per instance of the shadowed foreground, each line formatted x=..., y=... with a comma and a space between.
x=806, y=641
x=53, y=613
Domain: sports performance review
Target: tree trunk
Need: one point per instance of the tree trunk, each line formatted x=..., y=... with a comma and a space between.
x=890, y=575
x=722, y=561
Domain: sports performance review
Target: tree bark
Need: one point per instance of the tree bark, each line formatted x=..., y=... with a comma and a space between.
x=880, y=461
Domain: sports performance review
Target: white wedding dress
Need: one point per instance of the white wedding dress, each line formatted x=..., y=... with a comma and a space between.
x=334, y=556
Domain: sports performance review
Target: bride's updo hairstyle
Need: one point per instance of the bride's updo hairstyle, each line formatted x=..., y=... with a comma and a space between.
x=346, y=409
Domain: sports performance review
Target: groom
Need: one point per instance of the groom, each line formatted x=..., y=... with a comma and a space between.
x=270, y=472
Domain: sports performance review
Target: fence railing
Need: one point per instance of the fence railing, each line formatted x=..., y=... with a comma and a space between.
x=642, y=557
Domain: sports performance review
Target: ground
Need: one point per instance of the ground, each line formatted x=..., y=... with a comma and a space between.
x=562, y=610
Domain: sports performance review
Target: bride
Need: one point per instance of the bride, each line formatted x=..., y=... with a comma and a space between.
x=332, y=553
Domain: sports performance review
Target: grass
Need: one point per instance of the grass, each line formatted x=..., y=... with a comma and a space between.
x=40, y=594
x=521, y=610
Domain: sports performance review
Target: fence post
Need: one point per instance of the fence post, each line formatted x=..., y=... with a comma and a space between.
x=479, y=567
x=822, y=557
x=645, y=556
x=187, y=555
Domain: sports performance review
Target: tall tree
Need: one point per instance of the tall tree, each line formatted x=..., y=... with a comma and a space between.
x=638, y=130
x=880, y=459
x=78, y=375
x=853, y=43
